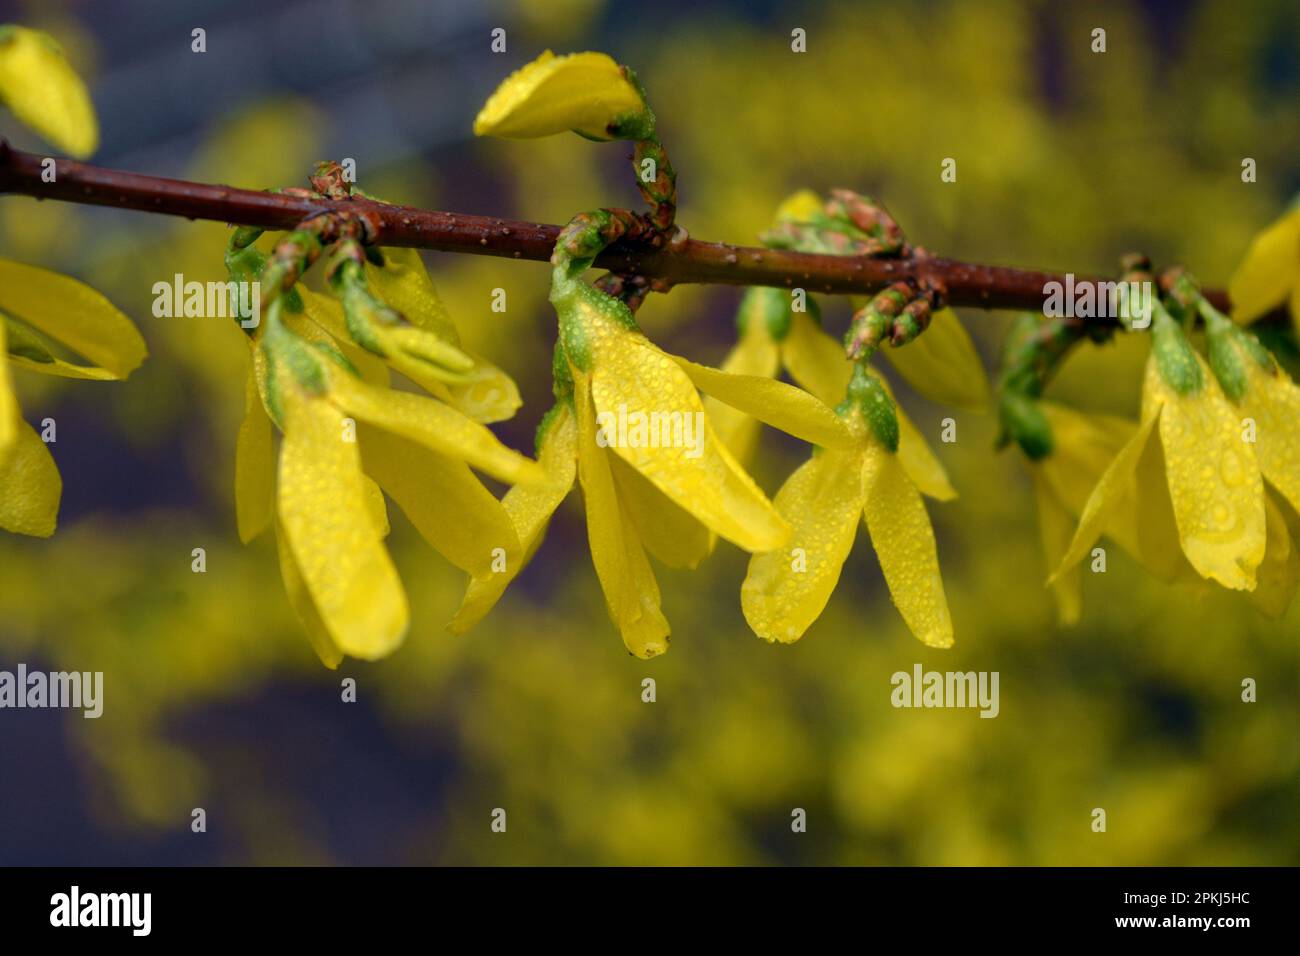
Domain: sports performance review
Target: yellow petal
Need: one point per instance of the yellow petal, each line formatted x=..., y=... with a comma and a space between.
x=1116, y=485
x=904, y=543
x=73, y=314
x=1214, y=480
x=786, y=590
x=668, y=532
x=942, y=364
x=487, y=394
x=44, y=92
x=646, y=633
x=432, y=424
x=1145, y=525
x=30, y=485
x=376, y=507
x=816, y=360
x=530, y=508
x=801, y=206
x=8, y=403
x=631, y=377
x=916, y=457
x=1279, y=572
x=1056, y=527
x=403, y=283
x=754, y=354
x=323, y=509
x=454, y=513
x=326, y=314
x=254, y=466
x=1273, y=400
x=630, y=590
x=304, y=607
x=584, y=92
x=1083, y=446
x=782, y=406
x=1270, y=271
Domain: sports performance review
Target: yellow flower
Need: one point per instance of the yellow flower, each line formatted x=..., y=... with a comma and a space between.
x=1270, y=273
x=41, y=311
x=585, y=92
x=631, y=429
x=772, y=336
x=44, y=92
x=346, y=436
x=786, y=590
x=1083, y=446
x=1211, y=502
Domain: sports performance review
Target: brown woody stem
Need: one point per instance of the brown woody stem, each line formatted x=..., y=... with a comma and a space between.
x=963, y=283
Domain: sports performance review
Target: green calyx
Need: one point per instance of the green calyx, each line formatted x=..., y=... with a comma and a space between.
x=637, y=124
x=283, y=348
x=867, y=395
x=561, y=374
x=1022, y=421
x=247, y=264
x=1230, y=349
x=1174, y=355
x=23, y=342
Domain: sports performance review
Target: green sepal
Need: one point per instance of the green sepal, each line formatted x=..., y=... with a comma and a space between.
x=1023, y=422
x=1175, y=357
x=25, y=343
x=867, y=395
x=770, y=306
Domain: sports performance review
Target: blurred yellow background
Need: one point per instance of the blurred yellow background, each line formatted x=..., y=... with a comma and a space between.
x=1066, y=159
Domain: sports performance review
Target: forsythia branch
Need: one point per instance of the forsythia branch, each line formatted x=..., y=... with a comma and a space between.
x=667, y=264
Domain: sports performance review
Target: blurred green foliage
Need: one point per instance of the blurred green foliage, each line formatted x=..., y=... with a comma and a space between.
x=1065, y=159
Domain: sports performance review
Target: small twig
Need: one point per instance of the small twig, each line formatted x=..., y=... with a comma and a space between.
x=685, y=261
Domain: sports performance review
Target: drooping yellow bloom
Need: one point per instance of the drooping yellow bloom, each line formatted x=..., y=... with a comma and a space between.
x=630, y=428
x=346, y=436
x=41, y=312
x=44, y=92
x=1270, y=274
x=585, y=92
x=1083, y=447
x=786, y=589
x=772, y=336
x=1212, y=480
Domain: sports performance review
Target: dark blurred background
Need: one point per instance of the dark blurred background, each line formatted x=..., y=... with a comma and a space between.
x=214, y=699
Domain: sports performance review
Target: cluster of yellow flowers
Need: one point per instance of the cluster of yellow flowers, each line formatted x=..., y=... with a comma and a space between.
x=1205, y=501
x=45, y=316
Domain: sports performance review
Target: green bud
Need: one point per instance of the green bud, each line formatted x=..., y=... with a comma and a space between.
x=245, y=236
